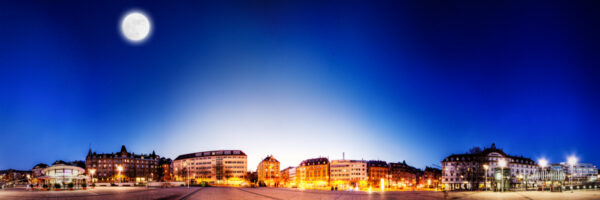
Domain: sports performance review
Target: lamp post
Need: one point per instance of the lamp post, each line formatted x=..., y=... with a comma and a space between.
x=188, y=173
x=502, y=164
x=92, y=171
x=120, y=168
x=543, y=164
x=485, y=167
x=572, y=161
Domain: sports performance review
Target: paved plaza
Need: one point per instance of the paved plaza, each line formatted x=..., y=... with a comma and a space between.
x=224, y=193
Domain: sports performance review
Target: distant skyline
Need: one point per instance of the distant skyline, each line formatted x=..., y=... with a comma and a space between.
x=390, y=80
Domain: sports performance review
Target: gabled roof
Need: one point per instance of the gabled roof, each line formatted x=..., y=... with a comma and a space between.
x=376, y=163
x=211, y=153
x=315, y=161
x=122, y=153
x=431, y=169
x=41, y=165
x=270, y=159
x=484, y=154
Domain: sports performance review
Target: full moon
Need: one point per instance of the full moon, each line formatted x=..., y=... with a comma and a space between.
x=135, y=26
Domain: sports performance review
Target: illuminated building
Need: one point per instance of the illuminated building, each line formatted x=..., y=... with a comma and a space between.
x=403, y=175
x=38, y=170
x=348, y=173
x=377, y=171
x=268, y=171
x=18, y=176
x=480, y=169
x=580, y=173
x=432, y=177
x=313, y=173
x=135, y=167
x=165, y=169
x=288, y=176
x=64, y=174
x=216, y=167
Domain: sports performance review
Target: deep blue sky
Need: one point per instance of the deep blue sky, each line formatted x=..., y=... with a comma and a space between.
x=391, y=80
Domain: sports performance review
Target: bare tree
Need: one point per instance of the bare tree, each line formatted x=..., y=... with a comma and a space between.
x=472, y=171
x=475, y=150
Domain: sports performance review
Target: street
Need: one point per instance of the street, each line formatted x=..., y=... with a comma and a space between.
x=227, y=193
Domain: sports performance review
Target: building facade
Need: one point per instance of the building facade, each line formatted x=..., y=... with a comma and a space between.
x=348, y=173
x=403, y=175
x=581, y=173
x=313, y=173
x=378, y=173
x=165, y=169
x=484, y=169
x=288, y=177
x=122, y=166
x=38, y=170
x=432, y=177
x=15, y=176
x=215, y=167
x=268, y=171
x=64, y=175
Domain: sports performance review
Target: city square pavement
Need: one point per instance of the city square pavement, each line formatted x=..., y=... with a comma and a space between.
x=224, y=193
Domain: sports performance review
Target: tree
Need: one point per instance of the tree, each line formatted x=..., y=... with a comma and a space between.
x=475, y=150
x=472, y=171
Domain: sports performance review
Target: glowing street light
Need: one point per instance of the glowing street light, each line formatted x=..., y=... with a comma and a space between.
x=486, y=167
x=543, y=163
x=188, y=173
x=120, y=168
x=92, y=171
x=502, y=164
x=572, y=160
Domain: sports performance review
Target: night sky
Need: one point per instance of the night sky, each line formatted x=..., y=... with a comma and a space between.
x=390, y=80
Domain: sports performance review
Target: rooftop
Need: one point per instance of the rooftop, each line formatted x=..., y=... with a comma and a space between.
x=211, y=153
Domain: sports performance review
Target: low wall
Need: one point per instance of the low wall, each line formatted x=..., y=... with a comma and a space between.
x=150, y=184
x=118, y=184
x=166, y=184
x=102, y=184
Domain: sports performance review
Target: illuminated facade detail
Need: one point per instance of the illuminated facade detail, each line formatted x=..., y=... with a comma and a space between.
x=165, y=169
x=288, y=177
x=216, y=167
x=403, y=175
x=18, y=176
x=135, y=167
x=63, y=175
x=348, y=174
x=432, y=177
x=38, y=170
x=313, y=173
x=377, y=170
x=580, y=173
x=268, y=171
x=467, y=171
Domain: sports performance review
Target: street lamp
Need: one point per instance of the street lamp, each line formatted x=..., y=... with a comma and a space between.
x=543, y=163
x=485, y=166
x=188, y=173
x=572, y=161
x=92, y=171
x=120, y=168
x=502, y=164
